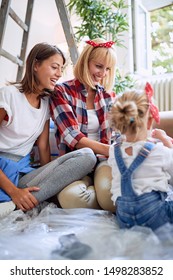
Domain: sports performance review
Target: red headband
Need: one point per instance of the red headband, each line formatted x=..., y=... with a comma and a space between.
x=153, y=108
x=104, y=45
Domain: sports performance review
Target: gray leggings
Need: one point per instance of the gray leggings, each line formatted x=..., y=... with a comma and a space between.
x=57, y=174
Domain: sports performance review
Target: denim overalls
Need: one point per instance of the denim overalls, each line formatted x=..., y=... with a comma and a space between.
x=149, y=209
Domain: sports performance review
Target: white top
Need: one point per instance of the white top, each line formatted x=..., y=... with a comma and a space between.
x=153, y=174
x=25, y=123
x=93, y=125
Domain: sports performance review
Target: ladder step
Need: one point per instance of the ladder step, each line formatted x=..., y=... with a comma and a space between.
x=11, y=57
x=15, y=17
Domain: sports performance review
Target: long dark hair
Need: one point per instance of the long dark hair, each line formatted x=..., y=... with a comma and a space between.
x=39, y=53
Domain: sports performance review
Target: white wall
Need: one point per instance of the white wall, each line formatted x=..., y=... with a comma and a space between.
x=125, y=55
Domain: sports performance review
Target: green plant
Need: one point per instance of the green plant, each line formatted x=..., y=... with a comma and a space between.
x=123, y=82
x=105, y=19
x=100, y=18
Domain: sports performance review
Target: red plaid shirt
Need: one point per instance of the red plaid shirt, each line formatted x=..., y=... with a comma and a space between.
x=69, y=112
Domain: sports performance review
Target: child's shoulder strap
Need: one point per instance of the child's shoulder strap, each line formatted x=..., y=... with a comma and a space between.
x=147, y=148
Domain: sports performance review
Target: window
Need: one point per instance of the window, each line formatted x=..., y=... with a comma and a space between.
x=162, y=40
x=145, y=26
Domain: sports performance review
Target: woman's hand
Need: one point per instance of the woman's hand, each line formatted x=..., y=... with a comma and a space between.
x=24, y=199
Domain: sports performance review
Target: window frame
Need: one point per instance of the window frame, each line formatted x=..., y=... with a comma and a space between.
x=141, y=40
x=143, y=65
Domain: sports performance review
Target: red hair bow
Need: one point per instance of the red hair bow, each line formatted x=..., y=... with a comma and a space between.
x=153, y=108
x=104, y=45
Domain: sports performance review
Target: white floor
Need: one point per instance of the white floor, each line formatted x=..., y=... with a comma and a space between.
x=52, y=233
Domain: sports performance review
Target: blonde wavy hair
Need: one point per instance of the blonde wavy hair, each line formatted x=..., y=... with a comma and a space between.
x=128, y=112
x=108, y=55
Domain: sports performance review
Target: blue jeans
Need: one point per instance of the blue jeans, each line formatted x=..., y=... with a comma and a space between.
x=150, y=210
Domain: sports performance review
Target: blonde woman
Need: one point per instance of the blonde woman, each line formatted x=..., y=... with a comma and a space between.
x=80, y=112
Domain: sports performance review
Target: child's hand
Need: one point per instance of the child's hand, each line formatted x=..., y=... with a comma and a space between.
x=159, y=134
x=163, y=137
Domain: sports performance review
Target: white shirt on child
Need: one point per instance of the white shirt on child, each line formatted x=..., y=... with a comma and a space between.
x=25, y=123
x=153, y=174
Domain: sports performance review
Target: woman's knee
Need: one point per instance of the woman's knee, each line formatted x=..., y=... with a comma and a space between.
x=102, y=183
x=79, y=194
x=89, y=155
